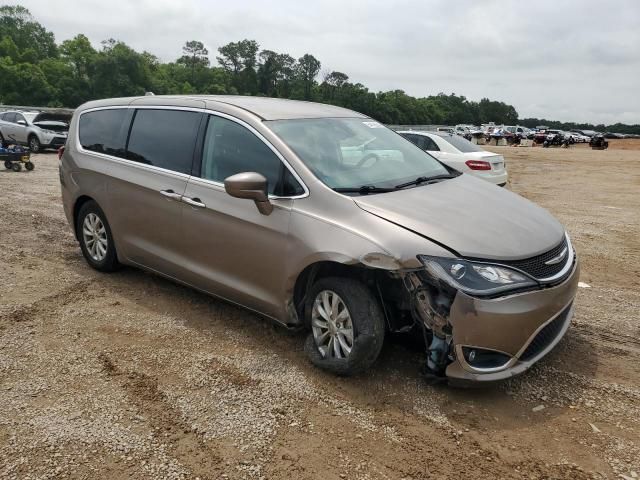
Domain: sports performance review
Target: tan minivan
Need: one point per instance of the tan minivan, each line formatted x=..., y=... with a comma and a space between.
x=320, y=218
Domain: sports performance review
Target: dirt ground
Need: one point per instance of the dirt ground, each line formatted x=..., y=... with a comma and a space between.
x=130, y=376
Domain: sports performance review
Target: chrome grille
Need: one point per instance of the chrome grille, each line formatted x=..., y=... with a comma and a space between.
x=536, y=266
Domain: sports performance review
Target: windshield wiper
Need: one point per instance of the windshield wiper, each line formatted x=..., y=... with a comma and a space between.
x=420, y=180
x=363, y=189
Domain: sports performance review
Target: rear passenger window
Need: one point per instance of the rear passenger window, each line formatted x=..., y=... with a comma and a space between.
x=103, y=131
x=430, y=145
x=230, y=148
x=164, y=138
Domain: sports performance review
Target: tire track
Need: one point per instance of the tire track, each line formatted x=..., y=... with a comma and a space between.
x=46, y=306
x=202, y=458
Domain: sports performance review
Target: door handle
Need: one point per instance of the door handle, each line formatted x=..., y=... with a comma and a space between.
x=194, y=202
x=171, y=194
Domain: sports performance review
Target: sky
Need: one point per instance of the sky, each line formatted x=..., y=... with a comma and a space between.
x=557, y=59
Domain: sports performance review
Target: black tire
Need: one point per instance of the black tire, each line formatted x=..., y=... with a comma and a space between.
x=368, y=325
x=8, y=164
x=2, y=142
x=110, y=261
x=34, y=144
x=29, y=166
x=16, y=167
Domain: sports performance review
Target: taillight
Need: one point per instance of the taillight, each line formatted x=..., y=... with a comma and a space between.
x=478, y=165
x=60, y=152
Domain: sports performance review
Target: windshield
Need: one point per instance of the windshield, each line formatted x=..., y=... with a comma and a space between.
x=30, y=116
x=462, y=144
x=352, y=152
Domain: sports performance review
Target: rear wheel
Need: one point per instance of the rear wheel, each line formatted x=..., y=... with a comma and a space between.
x=16, y=167
x=95, y=238
x=347, y=326
x=8, y=164
x=34, y=144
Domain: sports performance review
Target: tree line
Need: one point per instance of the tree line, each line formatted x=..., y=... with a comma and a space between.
x=34, y=70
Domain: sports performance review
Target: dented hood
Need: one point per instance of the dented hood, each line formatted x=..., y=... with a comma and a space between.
x=470, y=216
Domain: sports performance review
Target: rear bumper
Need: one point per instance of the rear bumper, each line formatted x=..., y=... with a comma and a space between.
x=497, y=179
x=523, y=328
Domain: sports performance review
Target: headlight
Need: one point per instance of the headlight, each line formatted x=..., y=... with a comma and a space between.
x=475, y=278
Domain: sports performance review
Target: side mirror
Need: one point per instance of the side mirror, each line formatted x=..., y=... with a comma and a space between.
x=22, y=122
x=252, y=186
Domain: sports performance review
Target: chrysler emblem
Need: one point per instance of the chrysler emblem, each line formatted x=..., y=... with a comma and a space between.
x=557, y=259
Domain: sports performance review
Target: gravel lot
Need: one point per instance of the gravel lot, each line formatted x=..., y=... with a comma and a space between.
x=130, y=376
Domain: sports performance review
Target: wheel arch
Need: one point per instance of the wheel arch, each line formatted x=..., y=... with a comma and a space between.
x=322, y=269
x=80, y=201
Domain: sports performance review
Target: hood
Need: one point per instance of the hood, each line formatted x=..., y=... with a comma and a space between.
x=471, y=217
x=53, y=116
x=52, y=125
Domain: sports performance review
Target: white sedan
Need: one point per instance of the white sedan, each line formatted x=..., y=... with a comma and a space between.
x=578, y=137
x=459, y=153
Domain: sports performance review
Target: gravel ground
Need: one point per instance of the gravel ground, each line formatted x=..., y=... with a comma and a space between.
x=130, y=376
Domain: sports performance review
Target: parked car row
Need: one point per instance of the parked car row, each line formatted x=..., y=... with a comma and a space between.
x=324, y=219
x=513, y=133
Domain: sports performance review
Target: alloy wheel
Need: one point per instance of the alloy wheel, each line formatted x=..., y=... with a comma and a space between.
x=94, y=234
x=34, y=144
x=332, y=325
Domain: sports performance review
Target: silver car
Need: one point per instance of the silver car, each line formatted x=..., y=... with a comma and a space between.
x=33, y=129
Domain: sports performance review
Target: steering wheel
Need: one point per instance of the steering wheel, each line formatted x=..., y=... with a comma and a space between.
x=366, y=158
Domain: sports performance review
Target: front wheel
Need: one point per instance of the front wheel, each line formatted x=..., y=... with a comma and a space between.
x=29, y=166
x=347, y=326
x=95, y=238
x=16, y=167
x=34, y=144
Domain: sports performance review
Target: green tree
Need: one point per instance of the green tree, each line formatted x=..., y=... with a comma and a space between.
x=8, y=48
x=120, y=71
x=307, y=70
x=332, y=83
x=194, y=56
x=17, y=23
x=239, y=60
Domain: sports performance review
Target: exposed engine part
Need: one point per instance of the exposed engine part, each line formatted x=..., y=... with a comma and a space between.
x=431, y=305
x=437, y=359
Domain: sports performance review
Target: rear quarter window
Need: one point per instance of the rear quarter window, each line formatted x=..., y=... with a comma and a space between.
x=104, y=131
x=164, y=138
x=462, y=144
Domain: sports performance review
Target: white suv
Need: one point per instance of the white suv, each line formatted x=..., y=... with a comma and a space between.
x=38, y=130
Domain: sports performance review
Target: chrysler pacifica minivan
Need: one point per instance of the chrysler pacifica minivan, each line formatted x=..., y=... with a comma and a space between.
x=278, y=206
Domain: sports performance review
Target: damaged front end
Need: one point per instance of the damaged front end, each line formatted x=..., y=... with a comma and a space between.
x=430, y=308
x=482, y=321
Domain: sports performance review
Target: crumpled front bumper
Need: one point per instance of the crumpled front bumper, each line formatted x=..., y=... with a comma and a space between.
x=524, y=326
